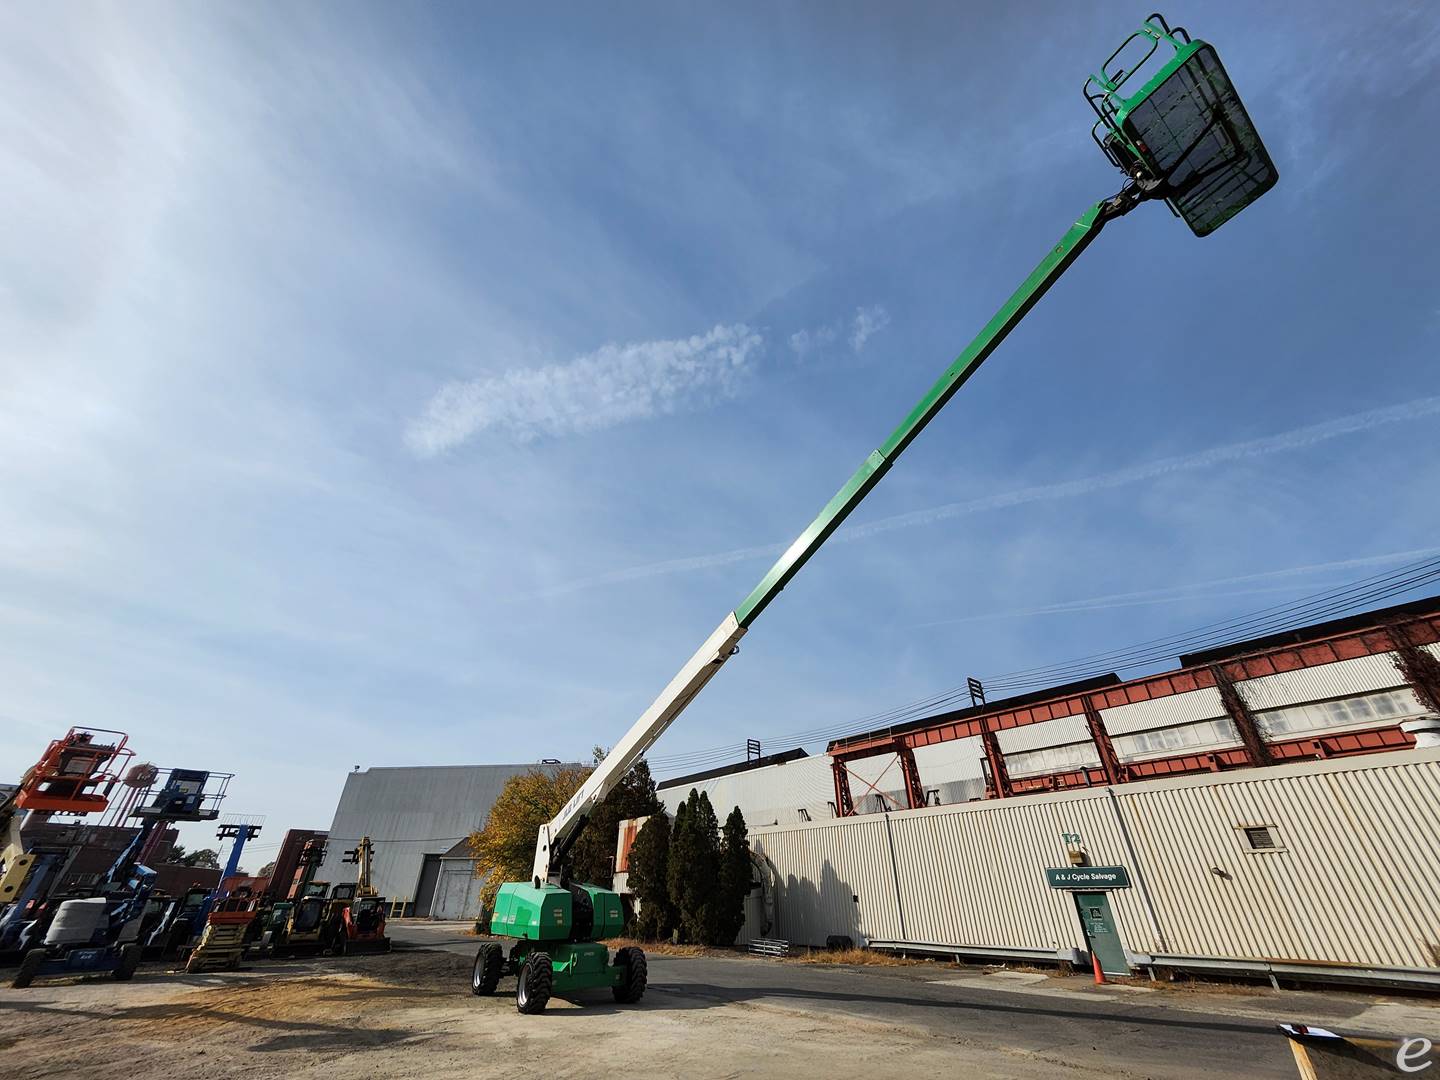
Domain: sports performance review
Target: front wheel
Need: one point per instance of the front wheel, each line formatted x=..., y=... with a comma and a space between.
x=537, y=977
x=634, y=974
x=486, y=973
x=128, y=962
x=29, y=968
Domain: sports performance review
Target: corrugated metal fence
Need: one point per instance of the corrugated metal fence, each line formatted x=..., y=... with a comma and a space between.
x=1353, y=876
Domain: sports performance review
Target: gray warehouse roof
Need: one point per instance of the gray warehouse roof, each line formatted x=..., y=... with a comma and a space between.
x=408, y=813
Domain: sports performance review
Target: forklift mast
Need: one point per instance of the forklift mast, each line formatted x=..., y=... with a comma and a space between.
x=311, y=857
x=361, y=855
x=1183, y=136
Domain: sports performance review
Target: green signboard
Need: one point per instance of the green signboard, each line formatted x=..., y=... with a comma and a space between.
x=1087, y=877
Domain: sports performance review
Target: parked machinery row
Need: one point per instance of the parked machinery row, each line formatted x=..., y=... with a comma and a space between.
x=113, y=924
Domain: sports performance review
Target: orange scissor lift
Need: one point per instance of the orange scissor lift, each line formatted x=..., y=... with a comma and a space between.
x=75, y=775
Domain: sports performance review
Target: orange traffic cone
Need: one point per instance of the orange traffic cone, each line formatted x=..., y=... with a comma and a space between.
x=1099, y=975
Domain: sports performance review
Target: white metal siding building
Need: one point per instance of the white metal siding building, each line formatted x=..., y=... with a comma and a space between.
x=1344, y=877
x=785, y=793
x=417, y=818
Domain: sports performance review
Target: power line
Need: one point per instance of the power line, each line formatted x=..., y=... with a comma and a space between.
x=1314, y=608
x=1317, y=607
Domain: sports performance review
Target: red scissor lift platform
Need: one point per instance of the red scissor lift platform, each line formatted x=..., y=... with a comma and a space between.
x=67, y=775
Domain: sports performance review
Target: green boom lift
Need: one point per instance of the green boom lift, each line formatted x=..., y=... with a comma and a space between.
x=1169, y=118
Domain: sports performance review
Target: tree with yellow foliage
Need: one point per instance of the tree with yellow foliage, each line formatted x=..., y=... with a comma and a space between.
x=504, y=849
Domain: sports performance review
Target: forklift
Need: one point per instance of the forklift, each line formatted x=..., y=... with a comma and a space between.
x=359, y=925
x=1168, y=116
x=307, y=922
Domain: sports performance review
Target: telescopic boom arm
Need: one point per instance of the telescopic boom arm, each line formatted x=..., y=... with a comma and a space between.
x=557, y=836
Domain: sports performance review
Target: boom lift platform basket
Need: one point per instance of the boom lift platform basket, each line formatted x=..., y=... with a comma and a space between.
x=1183, y=126
x=61, y=781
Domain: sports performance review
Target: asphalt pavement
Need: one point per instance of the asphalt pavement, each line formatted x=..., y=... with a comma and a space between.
x=1216, y=1030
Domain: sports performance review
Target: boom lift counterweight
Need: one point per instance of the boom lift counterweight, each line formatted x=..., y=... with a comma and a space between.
x=1184, y=137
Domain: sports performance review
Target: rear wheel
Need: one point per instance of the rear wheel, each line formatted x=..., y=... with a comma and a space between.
x=537, y=977
x=634, y=975
x=29, y=968
x=486, y=973
x=129, y=961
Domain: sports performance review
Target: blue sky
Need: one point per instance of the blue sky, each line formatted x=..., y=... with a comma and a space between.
x=411, y=387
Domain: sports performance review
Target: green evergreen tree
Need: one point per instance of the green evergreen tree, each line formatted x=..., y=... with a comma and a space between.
x=592, y=859
x=709, y=909
x=678, y=870
x=695, y=868
x=649, y=878
x=734, y=880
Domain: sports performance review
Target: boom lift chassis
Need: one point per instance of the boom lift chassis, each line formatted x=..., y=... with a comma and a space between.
x=1182, y=136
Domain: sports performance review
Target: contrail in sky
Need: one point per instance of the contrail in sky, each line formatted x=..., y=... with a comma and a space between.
x=1296, y=439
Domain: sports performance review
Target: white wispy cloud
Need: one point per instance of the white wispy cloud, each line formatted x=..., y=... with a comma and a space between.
x=858, y=330
x=616, y=384
x=1296, y=439
x=868, y=322
x=804, y=342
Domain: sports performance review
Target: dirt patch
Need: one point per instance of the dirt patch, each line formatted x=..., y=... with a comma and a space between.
x=860, y=957
x=665, y=948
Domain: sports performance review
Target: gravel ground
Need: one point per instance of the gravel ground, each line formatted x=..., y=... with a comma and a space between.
x=409, y=1014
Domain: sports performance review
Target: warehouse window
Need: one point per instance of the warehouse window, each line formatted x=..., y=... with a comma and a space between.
x=1261, y=837
x=1366, y=710
x=1207, y=734
x=1052, y=759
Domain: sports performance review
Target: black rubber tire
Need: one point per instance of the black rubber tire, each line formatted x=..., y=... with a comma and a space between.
x=128, y=962
x=29, y=968
x=485, y=975
x=532, y=989
x=631, y=961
